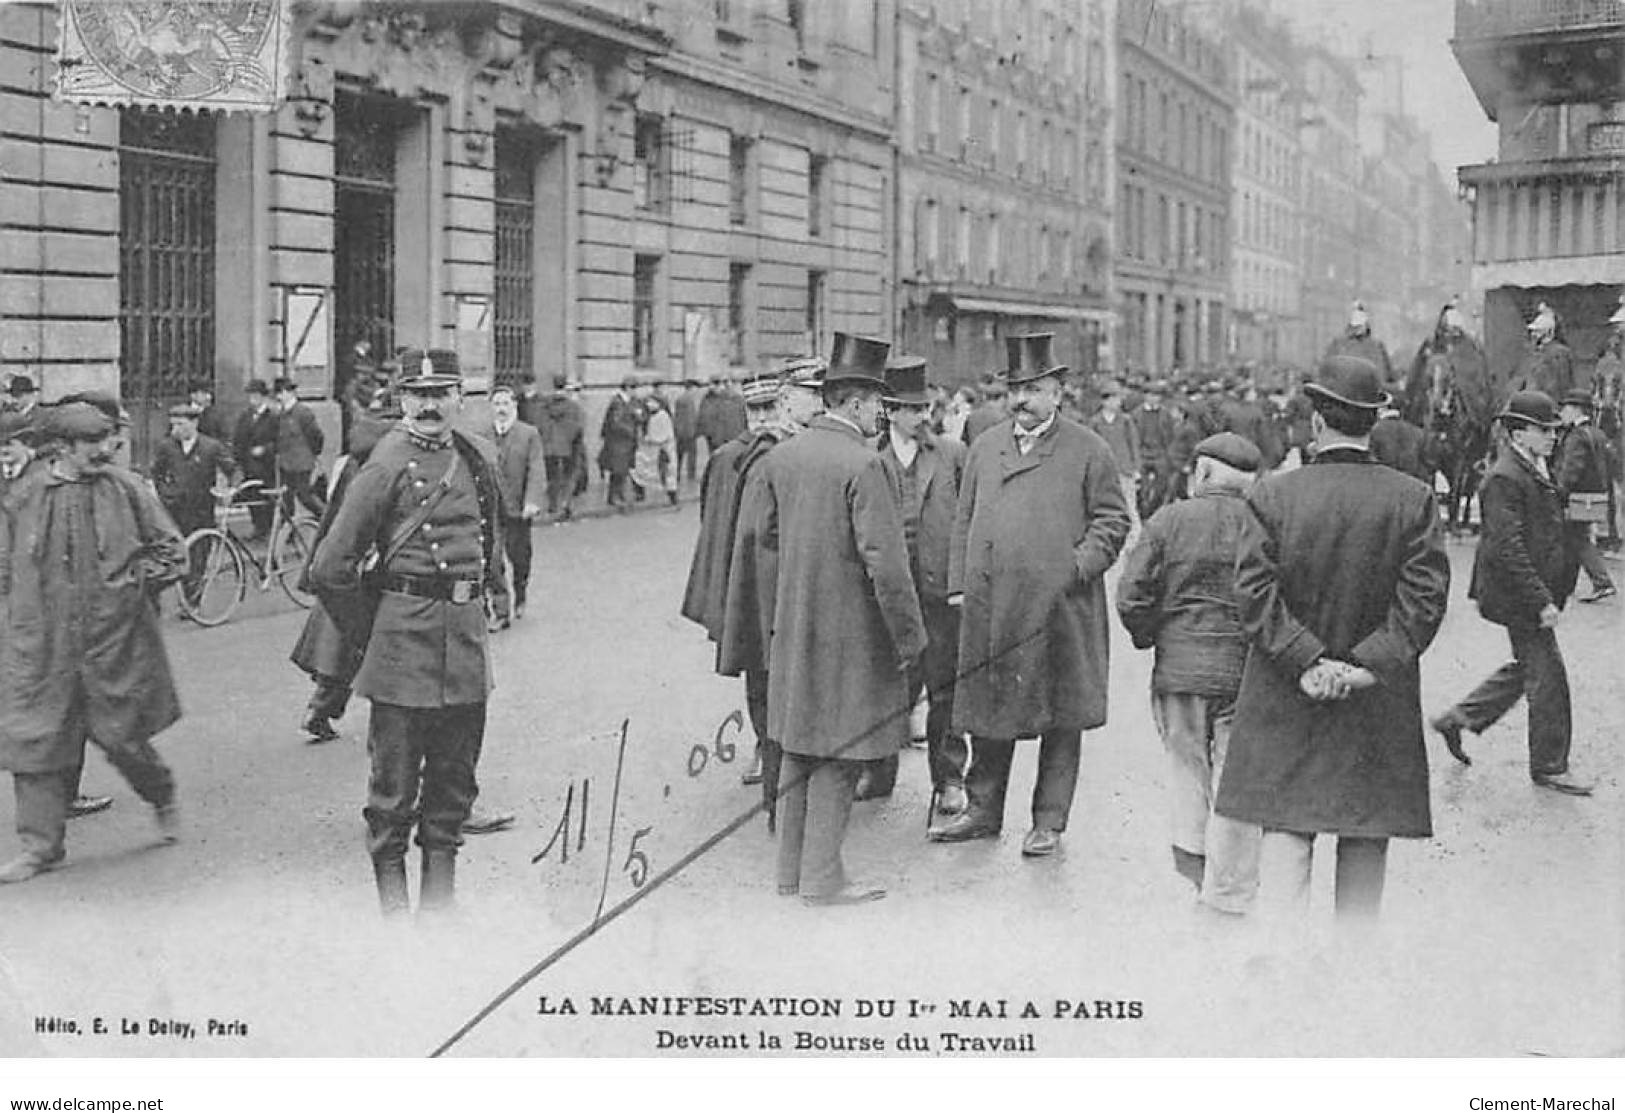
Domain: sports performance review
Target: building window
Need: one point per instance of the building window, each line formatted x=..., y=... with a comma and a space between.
x=650, y=170
x=166, y=258
x=515, y=256
x=366, y=134
x=1021, y=143
x=738, y=319
x=966, y=132
x=963, y=244
x=933, y=234
x=645, y=270
x=738, y=179
x=815, y=312
x=817, y=194
x=994, y=247
x=933, y=112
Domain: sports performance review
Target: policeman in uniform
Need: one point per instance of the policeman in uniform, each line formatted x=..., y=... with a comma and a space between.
x=427, y=503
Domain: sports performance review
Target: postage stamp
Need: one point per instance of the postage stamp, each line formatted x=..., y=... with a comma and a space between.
x=198, y=54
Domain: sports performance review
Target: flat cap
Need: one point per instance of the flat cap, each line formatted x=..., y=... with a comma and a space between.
x=1233, y=449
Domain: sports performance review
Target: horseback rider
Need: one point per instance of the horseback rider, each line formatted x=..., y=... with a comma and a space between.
x=1547, y=365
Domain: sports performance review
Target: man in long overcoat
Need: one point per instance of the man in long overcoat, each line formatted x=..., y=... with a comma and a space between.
x=1523, y=573
x=522, y=471
x=84, y=548
x=1342, y=579
x=846, y=623
x=618, y=441
x=1041, y=517
x=428, y=501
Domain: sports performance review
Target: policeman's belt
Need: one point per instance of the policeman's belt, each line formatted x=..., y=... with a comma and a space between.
x=435, y=587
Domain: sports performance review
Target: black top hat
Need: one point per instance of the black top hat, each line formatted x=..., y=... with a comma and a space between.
x=20, y=385
x=905, y=381
x=1350, y=380
x=1531, y=407
x=857, y=359
x=1028, y=358
x=432, y=370
x=1581, y=398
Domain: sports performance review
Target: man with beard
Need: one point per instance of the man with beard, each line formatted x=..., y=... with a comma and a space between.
x=428, y=502
x=1041, y=518
x=84, y=548
x=846, y=624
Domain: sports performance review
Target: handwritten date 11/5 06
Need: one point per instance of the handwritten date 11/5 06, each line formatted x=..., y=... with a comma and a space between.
x=576, y=821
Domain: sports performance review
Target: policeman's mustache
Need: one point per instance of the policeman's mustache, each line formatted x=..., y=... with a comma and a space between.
x=429, y=413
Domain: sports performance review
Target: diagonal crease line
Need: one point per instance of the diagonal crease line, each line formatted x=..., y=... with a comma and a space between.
x=559, y=953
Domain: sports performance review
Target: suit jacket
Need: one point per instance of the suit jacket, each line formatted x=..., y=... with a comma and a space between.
x=938, y=468
x=256, y=431
x=298, y=439
x=185, y=481
x=521, y=467
x=1033, y=537
x=1341, y=558
x=845, y=617
x=1524, y=561
x=1582, y=461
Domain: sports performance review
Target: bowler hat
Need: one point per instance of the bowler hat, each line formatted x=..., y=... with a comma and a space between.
x=857, y=359
x=1531, y=407
x=1233, y=449
x=432, y=370
x=905, y=381
x=1028, y=359
x=1581, y=398
x=1351, y=380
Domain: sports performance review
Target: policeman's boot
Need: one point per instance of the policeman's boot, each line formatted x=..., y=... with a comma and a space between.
x=439, y=880
x=390, y=874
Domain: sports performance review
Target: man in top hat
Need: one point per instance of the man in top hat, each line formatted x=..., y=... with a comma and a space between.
x=1342, y=579
x=21, y=395
x=80, y=646
x=253, y=443
x=846, y=627
x=1523, y=573
x=298, y=445
x=1583, y=468
x=1177, y=596
x=428, y=501
x=1358, y=341
x=1547, y=364
x=1041, y=518
x=925, y=471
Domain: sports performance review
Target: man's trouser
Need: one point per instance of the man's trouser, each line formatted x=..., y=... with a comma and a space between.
x=772, y=756
x=297, y=488
x=1284, y=869
x=516, y=540
x=331, y=697
x=935, y=674
x=561, y=484
x=423, y=761
x=1059, y=752
x=1536, y=671
x=813, y=812
x=43, y=798
x=1591, y=559
x=687, y=450
x=1153, y=491
x=1195, y=731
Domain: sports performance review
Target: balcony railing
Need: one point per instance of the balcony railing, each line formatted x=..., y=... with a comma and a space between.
x=1477, y=19
x=1547, y=210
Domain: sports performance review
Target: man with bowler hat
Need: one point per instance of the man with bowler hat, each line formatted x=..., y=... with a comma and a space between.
x=1342, y=580
x=1583, y=469
x=1523, y=574
x=846, y=623
x=1041, y=517
x=253, y=442
x=429, y=504
x=298, y=444
x=925, y=471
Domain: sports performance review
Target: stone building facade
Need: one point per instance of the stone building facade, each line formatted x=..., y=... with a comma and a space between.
x=1175, y=144
x=1004, y=167
x=1332, y=170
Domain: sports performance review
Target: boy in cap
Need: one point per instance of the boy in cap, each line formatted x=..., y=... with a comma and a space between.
x=1177, y=595
x=1523, y=573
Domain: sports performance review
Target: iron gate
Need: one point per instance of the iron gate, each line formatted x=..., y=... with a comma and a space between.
x=366, y=130
x=166, y=265
x=513, y=324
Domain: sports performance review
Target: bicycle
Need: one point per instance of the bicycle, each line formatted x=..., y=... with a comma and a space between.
x=218, y=560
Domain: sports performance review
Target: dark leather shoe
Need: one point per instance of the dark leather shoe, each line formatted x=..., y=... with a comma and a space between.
x=966, y=828
x=1562, y=782
x=850, y=894
x=88, y=805
x=484, y=823
x=1040, y=842
x=320, y=729
x=952, y=801
x=870, y=789
x=1451, y=730
x=1599, y=594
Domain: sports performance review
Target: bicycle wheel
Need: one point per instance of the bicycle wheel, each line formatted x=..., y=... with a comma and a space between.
x=290, y=549
x=215, y=582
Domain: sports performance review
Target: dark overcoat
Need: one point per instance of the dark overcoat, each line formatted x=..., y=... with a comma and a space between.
x=938, y=469
x=845, y=618
x=618, y=436
x=1033, y=538
x=744, y=590
x=1524, y=560
x=185, y=480
x=1580, y=465
x=99, y=633
x=1547, y=367
x=1402, y=446
x=718, y=503
x=1343, y=558
x=298, y=439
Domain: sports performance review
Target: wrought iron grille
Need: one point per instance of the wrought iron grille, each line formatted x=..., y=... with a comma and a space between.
x=166, y=262
x=513, y=324
x=367, y=130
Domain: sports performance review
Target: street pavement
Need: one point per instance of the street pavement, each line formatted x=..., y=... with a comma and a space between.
x=1499, y=936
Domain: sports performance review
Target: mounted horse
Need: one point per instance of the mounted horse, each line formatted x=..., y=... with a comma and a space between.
x=1449, y=396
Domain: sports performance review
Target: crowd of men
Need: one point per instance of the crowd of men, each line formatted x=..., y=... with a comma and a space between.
x=866, y=541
